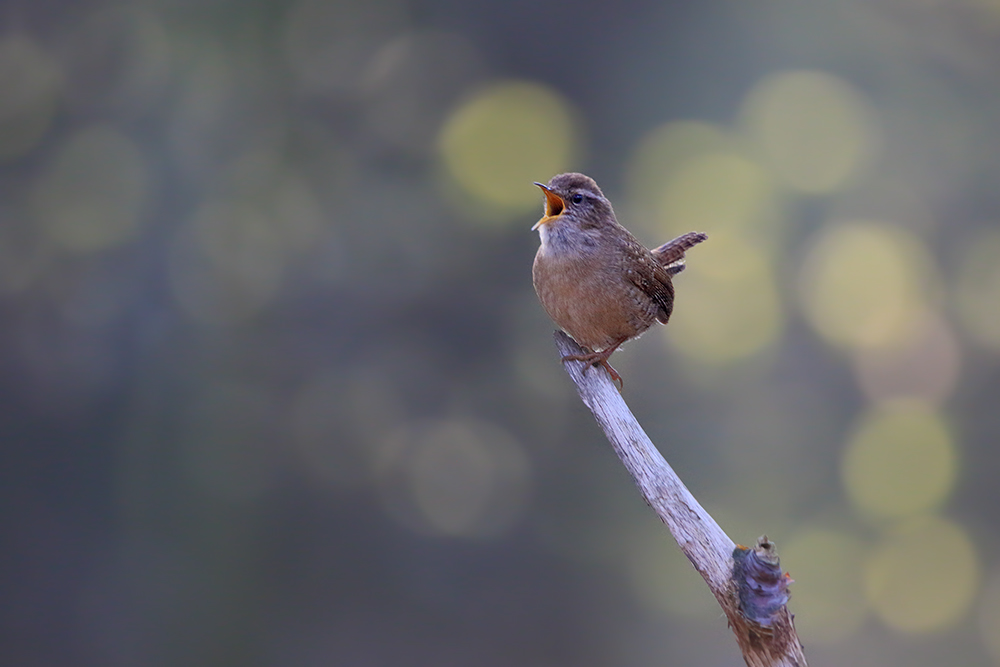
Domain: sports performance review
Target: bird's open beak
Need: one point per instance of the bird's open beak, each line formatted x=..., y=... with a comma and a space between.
x=554, y=206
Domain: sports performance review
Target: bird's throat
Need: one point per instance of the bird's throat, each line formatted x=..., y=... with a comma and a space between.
x=561, y=237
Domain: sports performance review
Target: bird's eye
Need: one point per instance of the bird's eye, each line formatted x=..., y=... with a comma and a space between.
x=577, y=198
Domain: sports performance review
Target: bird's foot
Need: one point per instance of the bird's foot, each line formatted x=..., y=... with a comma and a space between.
x=599, y=359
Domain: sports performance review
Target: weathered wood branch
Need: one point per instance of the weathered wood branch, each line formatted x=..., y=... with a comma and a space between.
x=750, y=587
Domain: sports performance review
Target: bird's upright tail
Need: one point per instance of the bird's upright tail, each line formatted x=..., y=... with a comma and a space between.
x=671, y=253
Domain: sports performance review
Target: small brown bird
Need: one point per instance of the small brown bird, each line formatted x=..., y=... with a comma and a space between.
x=594, y=279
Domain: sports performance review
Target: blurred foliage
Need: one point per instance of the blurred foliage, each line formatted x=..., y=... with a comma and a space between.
x=278, y=391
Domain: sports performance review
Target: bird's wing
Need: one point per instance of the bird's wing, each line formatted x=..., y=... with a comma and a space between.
x=653, y=279
x=663, y=293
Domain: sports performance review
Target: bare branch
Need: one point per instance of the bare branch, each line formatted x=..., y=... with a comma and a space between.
x=750, y=589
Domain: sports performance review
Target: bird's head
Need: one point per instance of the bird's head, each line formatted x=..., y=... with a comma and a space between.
x=573, y=201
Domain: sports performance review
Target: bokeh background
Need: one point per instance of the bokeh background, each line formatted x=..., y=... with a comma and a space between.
x=277, y=391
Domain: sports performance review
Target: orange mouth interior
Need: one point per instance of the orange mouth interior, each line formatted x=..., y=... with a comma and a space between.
x=554, y=206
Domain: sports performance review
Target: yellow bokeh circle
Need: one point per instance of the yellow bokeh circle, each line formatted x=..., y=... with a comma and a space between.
x=717, y=192
x=727, y=306
x=814, y=129
x=901, y=460
x=924, y=367
x=507, y=136
x=864, y=284
x=924, y=576
x=829, y=598
x=662, y=150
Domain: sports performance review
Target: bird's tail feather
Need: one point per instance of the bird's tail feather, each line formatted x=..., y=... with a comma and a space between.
x=671, y=253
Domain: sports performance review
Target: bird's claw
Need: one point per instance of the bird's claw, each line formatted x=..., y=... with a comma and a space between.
x=615, y=377
x=598, y=359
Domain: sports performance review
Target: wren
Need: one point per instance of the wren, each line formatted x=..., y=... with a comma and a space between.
x=594, y=279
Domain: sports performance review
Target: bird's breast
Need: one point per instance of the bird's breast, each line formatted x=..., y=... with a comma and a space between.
x=589, y=296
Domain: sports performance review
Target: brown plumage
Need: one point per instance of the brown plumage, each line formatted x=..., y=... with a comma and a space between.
x=594, y=279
